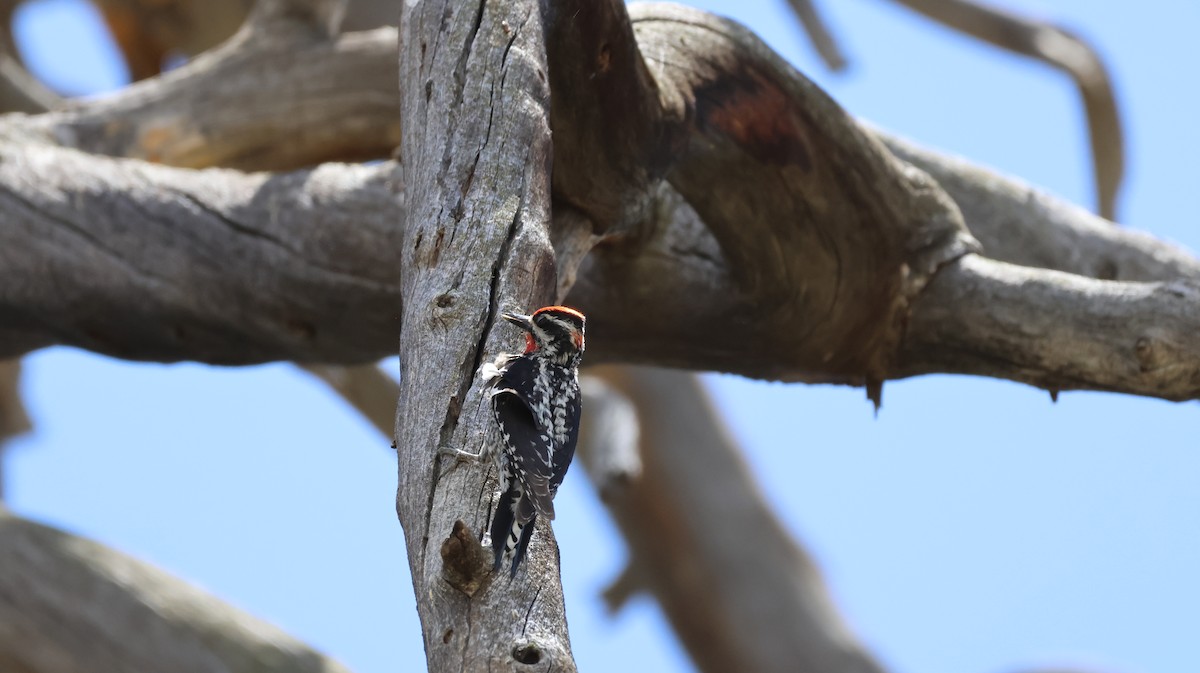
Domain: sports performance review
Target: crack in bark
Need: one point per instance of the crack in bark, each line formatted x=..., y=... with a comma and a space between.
x=528, y=612
x=84, y=234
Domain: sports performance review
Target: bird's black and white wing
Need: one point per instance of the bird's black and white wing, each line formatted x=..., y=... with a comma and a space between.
x=527, y=443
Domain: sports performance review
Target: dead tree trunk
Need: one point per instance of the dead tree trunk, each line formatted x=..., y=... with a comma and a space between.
x=705, y=204
x=477, y=151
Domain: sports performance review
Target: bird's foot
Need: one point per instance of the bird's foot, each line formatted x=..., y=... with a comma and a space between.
x=461, y=456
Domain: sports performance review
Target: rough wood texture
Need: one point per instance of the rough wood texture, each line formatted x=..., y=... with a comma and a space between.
x=985, y=317
x=477, y=151
x=740, y=593
x=1021, y=224
x=68, y=605
x=829, y=233
x=144, y=262
x=744, y=223
x=291, y=222
x=611, y=142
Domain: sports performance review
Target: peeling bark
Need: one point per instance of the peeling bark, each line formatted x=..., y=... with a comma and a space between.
x=146, y=262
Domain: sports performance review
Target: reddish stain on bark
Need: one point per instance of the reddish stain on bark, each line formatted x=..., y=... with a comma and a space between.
x=758, y=116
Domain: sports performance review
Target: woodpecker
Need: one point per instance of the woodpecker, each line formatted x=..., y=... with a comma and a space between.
x=536, y=404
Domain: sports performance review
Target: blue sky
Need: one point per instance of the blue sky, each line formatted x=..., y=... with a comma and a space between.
x=973, y=526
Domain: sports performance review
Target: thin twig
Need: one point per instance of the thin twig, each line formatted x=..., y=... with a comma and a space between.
x=818, y=33
x=1061, y=49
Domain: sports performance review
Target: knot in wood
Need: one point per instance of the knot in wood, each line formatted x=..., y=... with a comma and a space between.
x=464, y=565
x=1148, y=352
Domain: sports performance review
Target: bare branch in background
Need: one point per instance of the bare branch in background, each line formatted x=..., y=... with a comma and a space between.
x=269, y=99
x=819, y=34
x=738, y=590
x=1059, y=48
x=367, y=388
x=21, y=91
x=147, y=31
x=72, y=605
x=14, y=420
x=1022, y=224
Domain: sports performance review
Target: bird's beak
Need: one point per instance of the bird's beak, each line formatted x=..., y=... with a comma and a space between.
x=522, y=321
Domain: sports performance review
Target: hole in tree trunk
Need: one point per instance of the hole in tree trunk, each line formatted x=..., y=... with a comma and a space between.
x=527, y=654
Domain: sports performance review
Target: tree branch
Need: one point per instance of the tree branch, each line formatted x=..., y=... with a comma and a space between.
x=822, y=40
x=123, y=209
x=367, y=388
x=152, y=263
x=611, y=142
x=74, y=606
x=273, y=97
x=477, y=155
x=21, y=91
x=739, y=592
x=672, y=253
x=1021, y=224
x=14, y=420
x=1056, y=330
x=1058, y=48
x=817, y=220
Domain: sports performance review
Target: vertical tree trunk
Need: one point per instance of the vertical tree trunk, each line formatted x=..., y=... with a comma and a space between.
x=476, y=146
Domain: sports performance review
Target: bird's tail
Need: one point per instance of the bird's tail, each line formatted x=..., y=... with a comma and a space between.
x=512, y=527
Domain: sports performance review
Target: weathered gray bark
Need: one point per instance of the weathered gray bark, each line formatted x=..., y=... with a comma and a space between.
x=786, y=242
x=118, y=253
x=983, y=316
x=477, y=150
x=178, y=251
x=1021, y=224
x=1011, y=225
x=68, y=604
